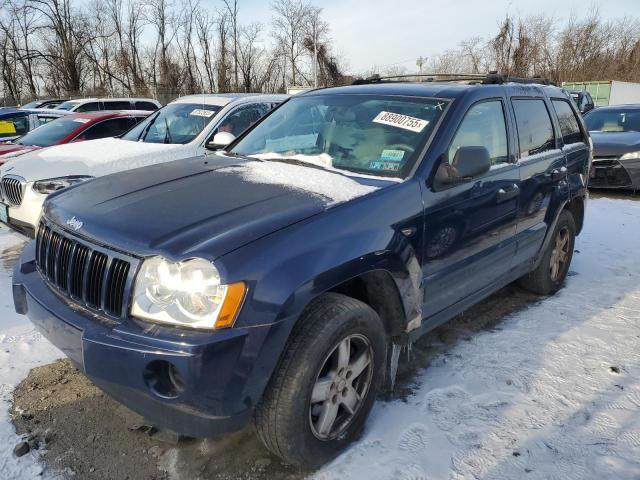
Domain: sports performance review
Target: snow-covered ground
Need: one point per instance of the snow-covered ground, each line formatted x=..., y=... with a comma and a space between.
x=552, y=393
x=21, y=349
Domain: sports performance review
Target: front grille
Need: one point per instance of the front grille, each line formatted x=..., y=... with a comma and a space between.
x=91, y=276
x=12, y=189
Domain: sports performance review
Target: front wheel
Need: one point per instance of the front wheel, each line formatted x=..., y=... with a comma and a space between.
x=552, y=270
x=320, y=397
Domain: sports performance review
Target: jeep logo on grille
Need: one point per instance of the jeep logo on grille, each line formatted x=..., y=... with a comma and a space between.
x=74, y=223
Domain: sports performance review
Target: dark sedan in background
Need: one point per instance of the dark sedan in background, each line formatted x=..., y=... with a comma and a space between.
x=615, y=131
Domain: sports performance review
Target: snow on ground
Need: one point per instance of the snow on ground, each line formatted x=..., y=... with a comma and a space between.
x=21, y=349
x=553, y=394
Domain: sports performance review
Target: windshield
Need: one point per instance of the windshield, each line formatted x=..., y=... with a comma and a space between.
x=30, y=105
x=52, y=132
x=619, y=120
x=371, y=134
x=66, y=105
x=177, y=123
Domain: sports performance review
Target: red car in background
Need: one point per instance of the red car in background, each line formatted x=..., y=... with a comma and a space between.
x=73, y=128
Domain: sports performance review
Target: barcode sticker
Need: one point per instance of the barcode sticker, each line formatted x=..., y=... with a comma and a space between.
x=401, y=121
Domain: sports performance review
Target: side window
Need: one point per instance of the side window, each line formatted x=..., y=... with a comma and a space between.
x=152, y=107
x=41, y=119
x=480, y=142
x=108, y=128
x=116, y=105
x=535, y=130
x=88, y=107
x=239, y=120
x=569, y=126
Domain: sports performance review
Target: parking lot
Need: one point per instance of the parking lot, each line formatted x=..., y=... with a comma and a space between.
x=518, y=386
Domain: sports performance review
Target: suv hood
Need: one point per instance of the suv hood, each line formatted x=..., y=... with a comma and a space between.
x=608, y=144
x=94, y=158
x=203, y=206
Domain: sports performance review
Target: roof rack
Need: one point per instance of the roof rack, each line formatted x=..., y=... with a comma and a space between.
x=491, y=78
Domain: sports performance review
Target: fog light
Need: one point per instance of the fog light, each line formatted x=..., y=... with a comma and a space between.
x=163, y=379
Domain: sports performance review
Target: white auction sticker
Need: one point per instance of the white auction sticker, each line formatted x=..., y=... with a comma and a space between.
x=81, y=120
x=401, y=121
x=200, y=112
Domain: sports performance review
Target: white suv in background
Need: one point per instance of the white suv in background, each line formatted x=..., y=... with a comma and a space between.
x=95, y=104
x=184, y=128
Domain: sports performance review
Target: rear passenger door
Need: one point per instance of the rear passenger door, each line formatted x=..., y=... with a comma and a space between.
x=543, y=170
x=470, y=223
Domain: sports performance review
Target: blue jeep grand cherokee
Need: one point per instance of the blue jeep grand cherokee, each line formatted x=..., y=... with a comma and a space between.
x=275, y=282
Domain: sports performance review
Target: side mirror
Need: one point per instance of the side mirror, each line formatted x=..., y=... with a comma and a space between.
x=220, y=140
x=471, y=162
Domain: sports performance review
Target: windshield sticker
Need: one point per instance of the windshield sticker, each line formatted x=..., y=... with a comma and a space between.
x=388, y=166
x=81, y=120
x=200, y=112
x=392, y=155
x=292, y=143
x=401, y=121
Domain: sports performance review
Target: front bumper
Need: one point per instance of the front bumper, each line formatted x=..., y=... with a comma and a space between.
x=612, y=173
x=215, y=368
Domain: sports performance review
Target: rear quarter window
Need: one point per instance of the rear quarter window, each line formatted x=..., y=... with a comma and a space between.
x=569, y=126
x=535, y=130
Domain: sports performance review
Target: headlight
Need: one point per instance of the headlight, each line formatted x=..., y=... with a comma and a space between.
x=631, y=156
x=187, y=293
x=50, y=185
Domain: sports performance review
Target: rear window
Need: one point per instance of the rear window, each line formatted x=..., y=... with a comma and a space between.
x=569, y=126
x=535, y=130
x=67, y=105
x=108, y=128
x=51, y=133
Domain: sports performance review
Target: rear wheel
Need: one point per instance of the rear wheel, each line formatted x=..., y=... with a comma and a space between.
x=550, y=274
x=319, y=399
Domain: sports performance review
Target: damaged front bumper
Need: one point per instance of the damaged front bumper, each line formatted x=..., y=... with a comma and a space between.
x=192, y=382
x=610, y=172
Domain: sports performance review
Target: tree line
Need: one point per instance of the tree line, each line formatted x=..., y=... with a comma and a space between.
x=167, y=48
x=580, y=49
x=159, y=48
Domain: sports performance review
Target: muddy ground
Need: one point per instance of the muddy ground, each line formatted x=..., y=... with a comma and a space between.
x=82, y=433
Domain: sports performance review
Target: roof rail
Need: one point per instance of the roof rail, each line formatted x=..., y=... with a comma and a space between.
x=491, y=78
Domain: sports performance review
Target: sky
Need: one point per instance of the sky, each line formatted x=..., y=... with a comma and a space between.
x=383, y=33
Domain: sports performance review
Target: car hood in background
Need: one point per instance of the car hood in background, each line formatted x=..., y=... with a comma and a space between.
x=11, y=150
x=94, y=158
x=203, y=206
x=609, y=144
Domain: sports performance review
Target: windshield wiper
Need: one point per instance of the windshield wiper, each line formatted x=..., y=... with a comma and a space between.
x=296, y=161
x=146, y=129
x=167, y=132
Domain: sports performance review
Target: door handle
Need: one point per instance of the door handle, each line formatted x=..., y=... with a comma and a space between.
x=508, y=193
x=559, y=174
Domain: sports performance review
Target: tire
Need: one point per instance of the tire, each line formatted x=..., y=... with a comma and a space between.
x=287, y=421
x=545, y=280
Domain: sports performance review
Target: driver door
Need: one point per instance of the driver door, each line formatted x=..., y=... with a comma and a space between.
x=470, y=223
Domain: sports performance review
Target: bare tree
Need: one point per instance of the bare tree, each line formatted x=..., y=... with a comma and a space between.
x=289, y=25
